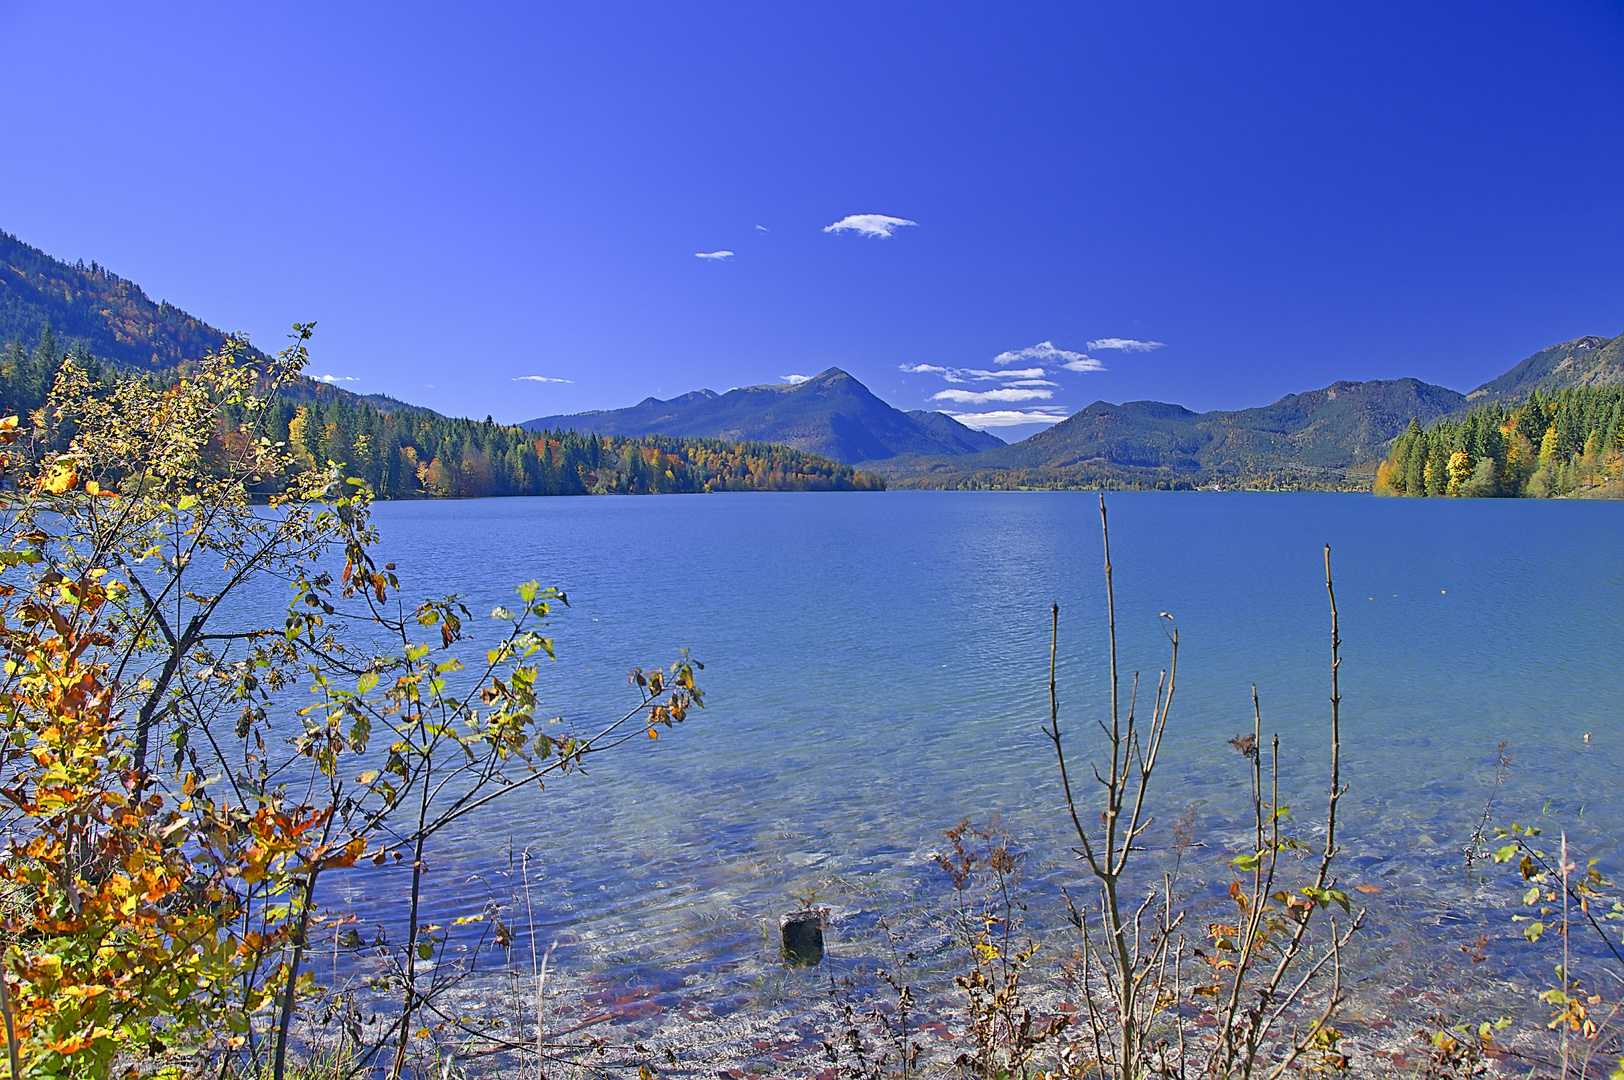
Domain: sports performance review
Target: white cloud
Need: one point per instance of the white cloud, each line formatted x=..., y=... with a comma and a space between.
x=877, y=225
x=1125, y=344
x=1032, y=382
x=981, y=397
x=1006, y=418
x=539, y=378
x=715, y=256
x=1084, y=363
x=964, y=375
x=334, y=379
x=1043, y=351
x=795, y=380
x=763, y=228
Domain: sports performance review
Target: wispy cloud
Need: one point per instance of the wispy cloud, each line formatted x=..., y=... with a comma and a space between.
x=333, y=379
x=714, y=256
x=1007, y=418
x=876, y=225
x=965, y=375
x=1125, y=344
x=539, y=378
x=982, y=397
x=763, y=228
x=1032, y=382
x=795, y=380
x=1044, y=352
x=1083, y=363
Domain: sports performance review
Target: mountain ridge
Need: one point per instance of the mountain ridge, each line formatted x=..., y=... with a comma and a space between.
x=1584, y=361
x=1333, y=428
x=114, y=319
x=832, y=414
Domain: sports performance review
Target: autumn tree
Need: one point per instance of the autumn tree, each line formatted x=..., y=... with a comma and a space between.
x=170, y=812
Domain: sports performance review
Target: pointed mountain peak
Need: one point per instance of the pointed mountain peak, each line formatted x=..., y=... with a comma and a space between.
x=836, y=416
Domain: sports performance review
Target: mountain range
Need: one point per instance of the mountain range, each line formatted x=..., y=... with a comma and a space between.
x=830, y=414
x=1326, y=432
x=1319, y=433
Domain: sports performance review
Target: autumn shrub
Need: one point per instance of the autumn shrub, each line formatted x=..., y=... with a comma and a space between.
x=1563, y=897
x=1253, y=993
x=170, y=815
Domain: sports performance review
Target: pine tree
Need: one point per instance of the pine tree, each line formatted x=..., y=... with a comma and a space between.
x=46, y=354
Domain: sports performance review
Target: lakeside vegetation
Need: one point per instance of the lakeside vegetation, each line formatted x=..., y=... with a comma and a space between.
x=1566, y=444
x=403, y=452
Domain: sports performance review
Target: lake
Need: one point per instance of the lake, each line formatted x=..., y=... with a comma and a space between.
x=876, y=670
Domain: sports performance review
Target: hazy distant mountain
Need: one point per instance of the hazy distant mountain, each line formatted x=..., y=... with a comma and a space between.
x=1345, y=424
x=830, y=414
x=1588, y=361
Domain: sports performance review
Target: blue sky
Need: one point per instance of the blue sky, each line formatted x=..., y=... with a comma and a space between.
x=463, y=196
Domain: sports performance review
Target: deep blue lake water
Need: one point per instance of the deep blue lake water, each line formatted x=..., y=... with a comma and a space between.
x=876, y=671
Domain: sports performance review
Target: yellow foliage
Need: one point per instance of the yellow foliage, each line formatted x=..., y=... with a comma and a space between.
x=1460, y=470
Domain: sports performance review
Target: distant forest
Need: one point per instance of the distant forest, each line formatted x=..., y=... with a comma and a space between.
x=1568, y=443
x=408, y=453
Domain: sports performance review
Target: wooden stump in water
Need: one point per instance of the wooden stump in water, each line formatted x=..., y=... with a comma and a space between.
x=802, y=932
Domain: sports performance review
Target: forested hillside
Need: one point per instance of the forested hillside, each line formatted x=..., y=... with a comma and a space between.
x=55, y=306
x=406, y=453
x=110, y=315
x=1569, y=443
x=1586, y=361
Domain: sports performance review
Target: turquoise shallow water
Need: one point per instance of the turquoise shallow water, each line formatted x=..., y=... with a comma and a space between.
x=876, y=667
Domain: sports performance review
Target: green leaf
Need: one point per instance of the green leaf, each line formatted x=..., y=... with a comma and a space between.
x=366, y=682
x=1533, y=931
x=500, y=612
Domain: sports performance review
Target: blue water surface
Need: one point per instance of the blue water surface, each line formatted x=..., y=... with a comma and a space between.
x=876, y=670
